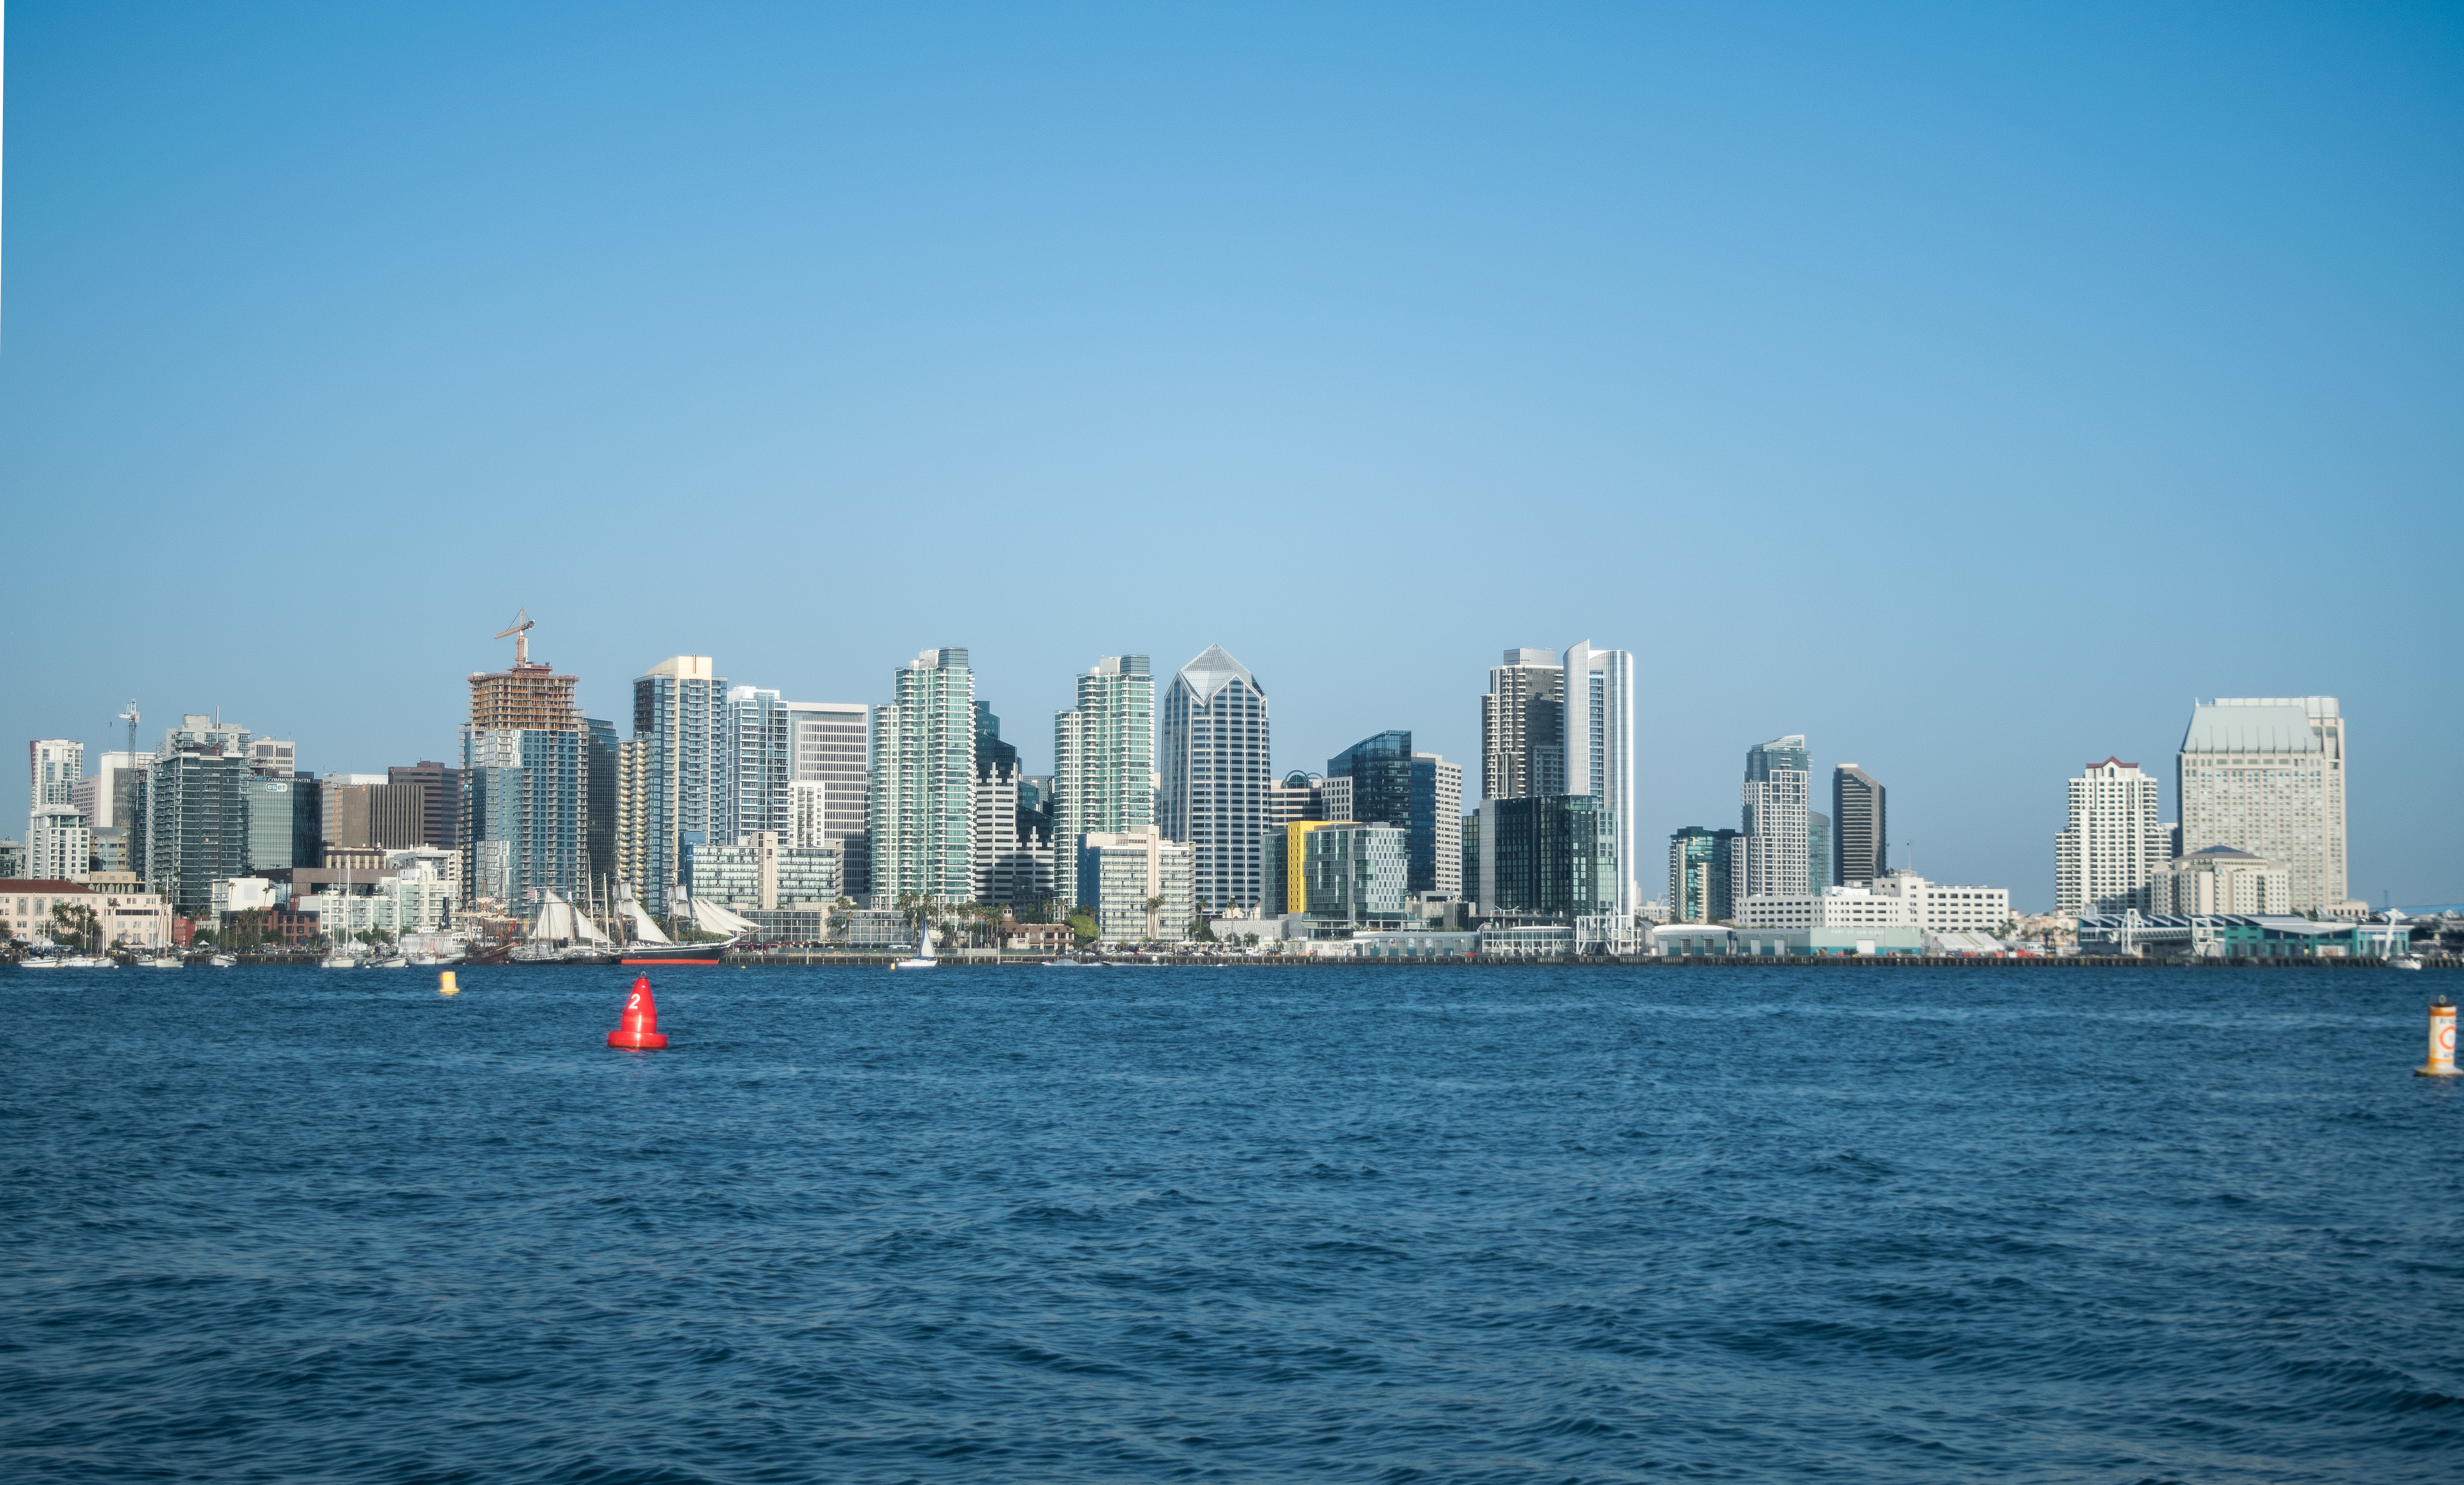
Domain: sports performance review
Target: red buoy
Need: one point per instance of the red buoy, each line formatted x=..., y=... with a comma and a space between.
x=640, y=1032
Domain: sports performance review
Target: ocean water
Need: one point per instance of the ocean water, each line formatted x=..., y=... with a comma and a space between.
x=1440, y=1224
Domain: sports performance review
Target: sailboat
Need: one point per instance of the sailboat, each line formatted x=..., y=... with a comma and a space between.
x=649, y=945
x=923, y=959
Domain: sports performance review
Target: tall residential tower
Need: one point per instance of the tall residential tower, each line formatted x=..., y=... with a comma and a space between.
x=1103, y=764
x=1216, y=772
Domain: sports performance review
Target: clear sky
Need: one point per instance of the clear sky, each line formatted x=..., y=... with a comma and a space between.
x=1966, y=387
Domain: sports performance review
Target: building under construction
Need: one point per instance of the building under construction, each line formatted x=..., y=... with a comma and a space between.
x=526, y=698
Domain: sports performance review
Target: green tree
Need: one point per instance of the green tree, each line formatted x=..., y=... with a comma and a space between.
x=1083, y=926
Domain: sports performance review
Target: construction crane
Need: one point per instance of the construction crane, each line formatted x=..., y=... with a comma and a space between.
x=519, y=632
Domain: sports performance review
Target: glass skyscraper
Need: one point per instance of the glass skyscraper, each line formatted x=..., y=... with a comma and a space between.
x=1419, y=791
x=681, y=712
x=1859, y=827
x=1216, y=772
x=1778, y=836
x=1103, y=764
x=922, y=821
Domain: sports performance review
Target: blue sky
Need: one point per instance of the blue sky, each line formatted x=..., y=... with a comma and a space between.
x=1966, y=387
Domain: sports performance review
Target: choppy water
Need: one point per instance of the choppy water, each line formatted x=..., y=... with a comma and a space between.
x=1025, y=1225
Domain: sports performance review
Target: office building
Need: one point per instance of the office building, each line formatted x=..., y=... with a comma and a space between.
x=1013, y=841
x=440, y=794
x=1282, y=856
x=1217, y=764
x=2222, y=879
x=762, y=872
x=1859, y=827
x=1701, y=866
x=197, y=812
x=1380, y=780
x=1599, y=729
x=831, y=739
x=273, y=757
x=1831, y=907
x=1436, y=827
x=367, y=812
x=1818, y=850
x=922, y=813
x=1551, y=856
x=1355, y=872
x=1523, y=726
x=1137, y=884
x=285, y=822
x=598, y=786
x=1778, y=836
x=681, y=712
x=2266, y=775
x=1103, y=762
x=2107, y=857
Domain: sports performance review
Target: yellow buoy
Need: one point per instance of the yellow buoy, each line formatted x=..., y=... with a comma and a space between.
x=445, y=985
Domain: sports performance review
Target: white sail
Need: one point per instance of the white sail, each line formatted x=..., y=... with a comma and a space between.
x=711, y=918
x=555, y=922
x=586, y=928
x=645, y=932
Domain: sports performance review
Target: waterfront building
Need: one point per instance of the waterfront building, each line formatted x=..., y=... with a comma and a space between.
x=1599, y=730
x=125, y=917
x=440, y=818
x=1859, y=827
x=1283, y=860
x=2222, y=879
x=1701, y=867
x=599, y=785
x=681, y=712
x=1103, y=762
x=761, y=872
x=1437, y=826
x=1522, y=727
x=1216, y=768
x=285, y=822
x=1355, y=872
x=1946, y=907
x=197, y=812
x=1551, y=856
x=922, y=807
x=1831, y=907
x=2266, y=775
x=2107, y=857
x=1136, y=883
x=831, y=739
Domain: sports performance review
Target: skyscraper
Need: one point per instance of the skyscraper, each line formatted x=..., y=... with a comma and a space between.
x=524, y=785
x=1103, y=763
x=923, y=783
x=1388, y=783
x=760, y=763
x=598, y=786
x=681, y=712
x=441, y=794
x=1701, y=884
x=59, y=838
x=2266, y=775
x=1860, y=828
x=1778, y=836
x=1818, y=851
x=197, y=812
x=2108, y=854
x=1551, y=856
x=1522, y=727
x=1599, y=687
x=1215, y=769
x=831, y=738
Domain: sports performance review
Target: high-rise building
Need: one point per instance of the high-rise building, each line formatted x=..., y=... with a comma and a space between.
x=1216, y=765
x=1135, y=884
x=680, y=710
x=1355, y=871
x=1283, y=860
x=922, y=817
x=598, y=786
x=1778, y=844
x=1013, y=841
x=1860, y=828
x=830, y=742
x=54, y=766
x=60, y=839
x=2107, y=857
x=1701, y=883
x=634, y=812
x=197, y=812
x=1598, y=725
x=1818, y=850
x=273, y=757
x=1435, y=829
x=369, y=811
x=1103, y=762
x=285, y=822
x=523, y=822
x=440, y=823
x=1523, y=726
x=1380, y=780
x=2266, y=775
x=1551, y=856
x=760, y=760
x=1379, y=770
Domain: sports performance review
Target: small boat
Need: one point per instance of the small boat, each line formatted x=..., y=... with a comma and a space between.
x=1065, y=962
x=2407, y=960
x=223, y=961
x=923, y=958
x=39, y=964
x=337, y=961
x=162, y=962
x=389, y=962
x=87, y=962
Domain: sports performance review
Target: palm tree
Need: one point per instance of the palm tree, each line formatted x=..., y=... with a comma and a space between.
x=1154, y=914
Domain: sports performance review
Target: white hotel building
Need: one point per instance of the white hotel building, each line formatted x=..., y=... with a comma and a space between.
x=1899, y=900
